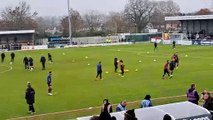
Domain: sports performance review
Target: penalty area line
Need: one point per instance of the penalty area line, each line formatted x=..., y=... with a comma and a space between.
x=9, y=69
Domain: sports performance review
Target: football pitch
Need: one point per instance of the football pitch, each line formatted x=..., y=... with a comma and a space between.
x=74, y=71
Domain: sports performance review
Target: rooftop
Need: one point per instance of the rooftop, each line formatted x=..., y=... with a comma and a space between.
x=195, y=17
x=17, y=32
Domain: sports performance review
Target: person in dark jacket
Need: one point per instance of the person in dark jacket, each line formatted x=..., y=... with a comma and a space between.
x=99, y=70
x=12, y=55
x=116, y=63
x=208, y=101
x=105, y=116
x=2, y=57
x=192, y=94
x=43, y=61
x=30, y=63
x=173, y=44
x=155, y=45
x=25, y=61
x=50, y=58
x=130, y=115
x=30, y=98
x=106, y=107
x=167, y=117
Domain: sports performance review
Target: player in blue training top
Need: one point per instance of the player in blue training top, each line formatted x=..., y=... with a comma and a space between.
x=99, y=70
x=49, y=83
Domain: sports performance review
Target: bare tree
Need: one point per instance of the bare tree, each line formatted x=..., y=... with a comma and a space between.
x=162, y=9
x=43, y=24
x=76, y=21
x=117, y=23
x=18, y=18
x=139, y=13
x=93, y=20
x=168, y=8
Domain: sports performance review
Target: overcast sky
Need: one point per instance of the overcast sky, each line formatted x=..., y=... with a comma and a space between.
x=59, y=7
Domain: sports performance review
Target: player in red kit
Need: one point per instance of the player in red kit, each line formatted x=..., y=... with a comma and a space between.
x=176, y=59
x=166, y=69
x=173, y=57
x=122, y=68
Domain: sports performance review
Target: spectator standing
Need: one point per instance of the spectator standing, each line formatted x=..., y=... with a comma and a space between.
x=30, y=97
x=197, y=36
x=106, y=107
x=121, y=106
x=203, y=93
x=207, y=101
x=146, y=102
x=192, y=94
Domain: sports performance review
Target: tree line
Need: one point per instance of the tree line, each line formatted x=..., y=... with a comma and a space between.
x=137, y=16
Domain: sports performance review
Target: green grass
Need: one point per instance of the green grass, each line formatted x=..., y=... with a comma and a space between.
x=75, y=82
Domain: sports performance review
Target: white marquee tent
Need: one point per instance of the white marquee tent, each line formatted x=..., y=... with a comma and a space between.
x=178, y=111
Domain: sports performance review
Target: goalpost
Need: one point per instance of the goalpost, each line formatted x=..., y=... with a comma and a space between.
x=179, y=38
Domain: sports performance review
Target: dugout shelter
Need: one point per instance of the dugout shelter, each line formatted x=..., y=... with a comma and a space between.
x=13, y=40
